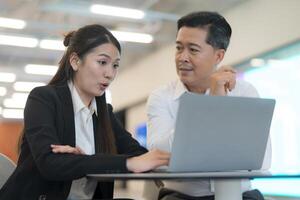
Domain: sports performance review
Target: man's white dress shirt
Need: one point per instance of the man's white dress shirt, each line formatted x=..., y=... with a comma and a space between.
x=84, y=133
x=162, y=109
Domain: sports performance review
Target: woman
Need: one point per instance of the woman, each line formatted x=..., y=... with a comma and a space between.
x=70, y=131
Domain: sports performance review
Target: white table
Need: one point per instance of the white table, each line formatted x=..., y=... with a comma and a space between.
x=227, y=184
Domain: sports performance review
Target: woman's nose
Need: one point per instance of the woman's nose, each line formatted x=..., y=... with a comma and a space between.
x=110, y=72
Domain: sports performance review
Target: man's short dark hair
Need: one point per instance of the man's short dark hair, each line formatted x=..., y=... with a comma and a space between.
x=218, y=29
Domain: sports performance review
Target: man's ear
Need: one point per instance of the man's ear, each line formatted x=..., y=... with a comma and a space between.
x=74, y=61
x=219, y=55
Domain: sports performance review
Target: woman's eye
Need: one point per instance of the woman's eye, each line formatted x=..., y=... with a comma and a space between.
x=116, y=65
x=102, y=62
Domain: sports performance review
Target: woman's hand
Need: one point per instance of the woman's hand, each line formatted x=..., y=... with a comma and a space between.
x=66, y=149
x=148, y=161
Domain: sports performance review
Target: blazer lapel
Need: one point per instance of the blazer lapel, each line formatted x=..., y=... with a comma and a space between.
x=68, y=114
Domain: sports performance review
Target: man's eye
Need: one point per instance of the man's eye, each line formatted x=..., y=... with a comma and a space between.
x=194, y=50
x=178, y=48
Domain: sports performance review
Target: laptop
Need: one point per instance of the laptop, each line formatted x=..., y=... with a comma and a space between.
x=220, y=133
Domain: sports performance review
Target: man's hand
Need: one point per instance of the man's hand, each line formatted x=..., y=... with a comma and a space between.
x=222, y=81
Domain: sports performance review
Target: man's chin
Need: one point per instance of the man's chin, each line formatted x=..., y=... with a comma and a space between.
x=185, y=80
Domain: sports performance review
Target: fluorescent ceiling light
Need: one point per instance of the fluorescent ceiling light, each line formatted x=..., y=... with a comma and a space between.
x=18, y=41
x=132, y=37
x=2, y=91
x=14, y=103
x=26, y=86
x=13, y=113
x=7, y=77
x=41, y=69
x=20, y=95
x=18, y=100
x=257, y=62
x=117, y=11
x=12, y=23
x=52, y=44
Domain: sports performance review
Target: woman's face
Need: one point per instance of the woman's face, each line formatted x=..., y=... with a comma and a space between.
x=95, y=72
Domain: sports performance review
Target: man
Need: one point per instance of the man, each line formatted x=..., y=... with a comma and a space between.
x=201, y=43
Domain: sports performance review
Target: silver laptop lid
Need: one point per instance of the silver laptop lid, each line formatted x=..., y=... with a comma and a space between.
x=217, y=133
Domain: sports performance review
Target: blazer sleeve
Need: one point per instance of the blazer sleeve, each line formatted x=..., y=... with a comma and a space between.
x=40, y=132
x=126, y=144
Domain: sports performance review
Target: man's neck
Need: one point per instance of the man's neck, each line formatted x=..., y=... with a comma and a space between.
x=198, y=89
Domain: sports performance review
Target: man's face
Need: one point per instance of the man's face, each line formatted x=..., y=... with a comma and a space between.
x=195, y=59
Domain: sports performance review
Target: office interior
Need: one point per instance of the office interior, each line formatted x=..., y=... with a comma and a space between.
x=264, y=48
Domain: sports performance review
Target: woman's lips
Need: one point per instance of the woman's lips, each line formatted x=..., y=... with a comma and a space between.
x=103, y=86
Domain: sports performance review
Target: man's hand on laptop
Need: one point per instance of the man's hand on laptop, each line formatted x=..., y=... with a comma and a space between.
x=222, y=81
x=148, y=161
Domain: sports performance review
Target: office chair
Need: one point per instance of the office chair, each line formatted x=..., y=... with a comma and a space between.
x=7, y=166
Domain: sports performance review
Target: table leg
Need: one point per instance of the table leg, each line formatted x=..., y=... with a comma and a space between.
x=226, y=189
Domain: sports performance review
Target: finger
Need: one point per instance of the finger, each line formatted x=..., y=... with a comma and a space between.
x=163, y=157
x=64, y=149
x=231, y=84
x=80, y=150
x=61, y=150
x=162, y=152
x=226, y=87
x=58, y=145
x=161, y=163
x=227, y=68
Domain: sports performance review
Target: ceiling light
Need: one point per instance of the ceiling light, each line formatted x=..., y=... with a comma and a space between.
x=12, y=23
x=117, y=11
x=14, y=103
x=132, y=37
x=41, y=69
x=18, y=41
x=13, y=113
x=20, y=95
x=257, y=62
x=3, y=91
x=7, y=77
x=18, y=100
x=0, y=110
x=52, y=44
x=26, y=86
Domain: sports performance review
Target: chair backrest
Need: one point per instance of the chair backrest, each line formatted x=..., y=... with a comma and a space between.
x=7, y=166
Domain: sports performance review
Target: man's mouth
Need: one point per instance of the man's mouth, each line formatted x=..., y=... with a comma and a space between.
x=185, y=69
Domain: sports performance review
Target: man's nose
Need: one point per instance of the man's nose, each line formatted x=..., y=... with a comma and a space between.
x=184, y=56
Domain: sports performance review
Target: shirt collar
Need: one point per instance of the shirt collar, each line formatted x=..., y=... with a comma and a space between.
x=77, y=102
x=180, y=89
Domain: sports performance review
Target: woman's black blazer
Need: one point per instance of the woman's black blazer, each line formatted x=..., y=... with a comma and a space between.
x=41, y=174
